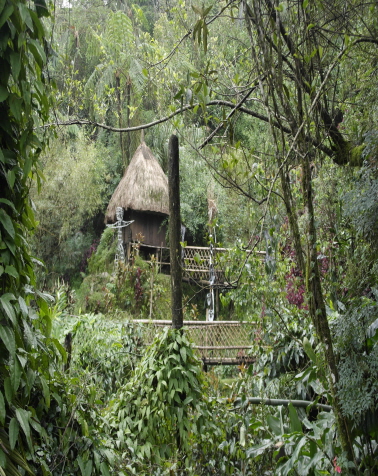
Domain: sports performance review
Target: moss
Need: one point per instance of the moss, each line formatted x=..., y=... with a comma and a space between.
x=356, y=159
x=348, y=154
x=102, y=260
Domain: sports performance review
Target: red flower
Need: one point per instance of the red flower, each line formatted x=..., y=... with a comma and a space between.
x=335, y=465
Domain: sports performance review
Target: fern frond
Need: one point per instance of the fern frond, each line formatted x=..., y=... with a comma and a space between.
x=137, y=77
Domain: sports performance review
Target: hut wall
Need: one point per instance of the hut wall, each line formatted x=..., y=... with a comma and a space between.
x=150, y=225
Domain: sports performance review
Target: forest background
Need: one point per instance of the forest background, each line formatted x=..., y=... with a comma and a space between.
x=275, y=108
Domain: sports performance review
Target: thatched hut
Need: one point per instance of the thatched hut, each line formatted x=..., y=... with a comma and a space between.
x=143, y=194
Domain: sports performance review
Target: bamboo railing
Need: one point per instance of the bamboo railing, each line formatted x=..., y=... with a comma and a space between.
x=217, y=342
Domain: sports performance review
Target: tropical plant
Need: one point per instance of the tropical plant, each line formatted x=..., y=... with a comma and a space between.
x=153, y=415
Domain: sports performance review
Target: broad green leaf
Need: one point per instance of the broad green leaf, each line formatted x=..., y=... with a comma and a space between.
x=15, y=375
x=309, y=350
x=23, y=419
x=81, y=464
x=11, y=270
x=104, y=469
x=11, y=177
x=38, y=53
x=25, y=15
x=8, y=390
x=46, y=392
x=23, y=306
x=29, y=335
x=6, y=222
x=298, y=447
x=275, y=425
x=8, y=202
x=3, y=93
x=8, y=307
x=41, y=8
x=15, y=60
x=6, y=13
x=295, y=424
x=183, y=353
x=13, y=432
x=15, y=104
x=259, y=449
x=8, y=338
x=88, y=468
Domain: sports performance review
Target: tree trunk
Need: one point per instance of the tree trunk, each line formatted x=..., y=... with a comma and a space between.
x=318, y=310
x=175, y=232
x=128, y=136
x=119, y=110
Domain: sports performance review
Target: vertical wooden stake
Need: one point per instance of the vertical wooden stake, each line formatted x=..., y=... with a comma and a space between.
x=152, y=283
x=175, y=232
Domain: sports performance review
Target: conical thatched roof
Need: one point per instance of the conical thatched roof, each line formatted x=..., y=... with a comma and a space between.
x=144, y=186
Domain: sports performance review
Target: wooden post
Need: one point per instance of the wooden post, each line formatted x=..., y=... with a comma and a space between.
x=175, y=232
x=152, y=283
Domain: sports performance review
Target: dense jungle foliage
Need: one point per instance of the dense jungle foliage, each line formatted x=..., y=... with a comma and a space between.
x=275, y=106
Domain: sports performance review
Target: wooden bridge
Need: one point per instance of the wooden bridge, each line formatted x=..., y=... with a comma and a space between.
x=196, y=262
x=217, y=342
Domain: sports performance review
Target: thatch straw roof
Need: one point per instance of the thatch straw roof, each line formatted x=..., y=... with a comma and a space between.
x=144, y=186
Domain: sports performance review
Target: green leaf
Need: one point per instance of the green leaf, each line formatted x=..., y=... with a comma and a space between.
x=205, y=34
x=304, y=4
x=25, y=15
x=295, y=424
x=15, y=104
x=2, y=409
x=15, y=375
x=104, y=469
x=3, y=93
x=23, y=306
x=8, y=202
x=309, y=350
x=183, y=353
x=15, y=61
x=8, y=390
x=6, y=221
x=11, y=270
x=23, y=419
x=275, y=425
x=88, y=468
x=41, y=8
x=13, y=432
x=38, y=53
x=8, y=338
x=3, y=460
x=258, y=449
x=6, y=13
x=11, y=177
x=8, y=307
